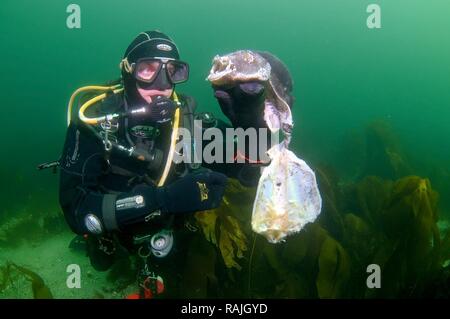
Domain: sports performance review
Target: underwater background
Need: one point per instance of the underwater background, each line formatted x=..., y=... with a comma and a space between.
x=371, y=118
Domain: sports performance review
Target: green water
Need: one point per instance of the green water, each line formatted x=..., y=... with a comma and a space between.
x=345, y=75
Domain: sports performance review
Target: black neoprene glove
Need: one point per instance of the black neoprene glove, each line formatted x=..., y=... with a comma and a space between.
x=194, y=192
x=243, y=103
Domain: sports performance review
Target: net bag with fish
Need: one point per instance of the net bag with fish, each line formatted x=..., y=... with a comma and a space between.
x=287, y=196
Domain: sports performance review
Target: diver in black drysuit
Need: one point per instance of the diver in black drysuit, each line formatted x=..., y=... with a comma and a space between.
x=111, y=197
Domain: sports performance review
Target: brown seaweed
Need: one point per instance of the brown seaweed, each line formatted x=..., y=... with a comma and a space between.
x=5, y=276
x=334, y=270
x=330, y=218
x=411, y=254
x=40, y=290
x=198, y=274
x=223, y=226
x=384, y=156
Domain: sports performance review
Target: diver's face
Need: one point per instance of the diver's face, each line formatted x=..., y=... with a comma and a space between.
x=149, y=94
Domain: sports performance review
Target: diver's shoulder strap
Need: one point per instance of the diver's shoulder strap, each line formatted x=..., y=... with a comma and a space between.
x=188, y=106
x=188, y=103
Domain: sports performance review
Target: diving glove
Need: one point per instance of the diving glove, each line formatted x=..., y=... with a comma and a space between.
x=243, y=103
x=194, y=192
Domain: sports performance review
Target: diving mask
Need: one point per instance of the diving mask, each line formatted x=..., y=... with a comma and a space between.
x=147, y=70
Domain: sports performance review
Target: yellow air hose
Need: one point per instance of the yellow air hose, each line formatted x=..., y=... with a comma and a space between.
x=96, y=120
x=173, y=140
x=114, y=88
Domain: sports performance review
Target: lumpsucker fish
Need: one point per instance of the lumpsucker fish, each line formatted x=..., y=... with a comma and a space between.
x=287, y=197
x=245, y=66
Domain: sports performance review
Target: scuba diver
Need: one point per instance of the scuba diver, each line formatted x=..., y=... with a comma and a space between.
x=119, y=186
